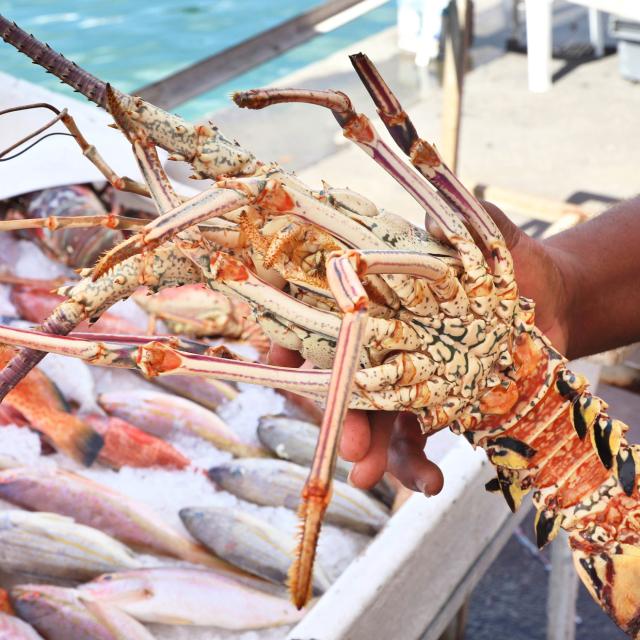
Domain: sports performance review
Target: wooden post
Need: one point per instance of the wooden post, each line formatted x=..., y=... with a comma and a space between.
x=457, y=35
x=563, y=580
x=563, y=590
x=539, y=44
x=526, y=204
x=456, y=43
x=456, y=628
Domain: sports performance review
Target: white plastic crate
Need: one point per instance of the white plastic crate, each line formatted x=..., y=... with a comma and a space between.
x=417, y=572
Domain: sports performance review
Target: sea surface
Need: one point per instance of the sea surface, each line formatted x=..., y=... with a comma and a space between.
x=131, y=43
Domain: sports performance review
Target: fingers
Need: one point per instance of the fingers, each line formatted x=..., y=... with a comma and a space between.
x=510, y=231
x=378, y=441
x=396, y=445
x=407, y=460
x=283, y=357
x=371, y=467
x=356, y=436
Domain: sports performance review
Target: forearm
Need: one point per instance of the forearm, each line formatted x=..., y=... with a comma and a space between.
x=600, y=264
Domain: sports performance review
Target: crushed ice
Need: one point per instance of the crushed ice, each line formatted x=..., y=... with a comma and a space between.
x=163, y=490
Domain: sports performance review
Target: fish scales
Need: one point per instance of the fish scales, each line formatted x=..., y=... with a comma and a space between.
x=279, y=483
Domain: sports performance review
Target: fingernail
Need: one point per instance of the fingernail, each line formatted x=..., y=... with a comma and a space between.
x=350, y=477
x=421, y=486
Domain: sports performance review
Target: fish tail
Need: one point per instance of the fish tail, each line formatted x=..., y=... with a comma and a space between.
x=77, y=439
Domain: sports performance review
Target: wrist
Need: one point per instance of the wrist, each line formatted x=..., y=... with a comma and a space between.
x=567, y=277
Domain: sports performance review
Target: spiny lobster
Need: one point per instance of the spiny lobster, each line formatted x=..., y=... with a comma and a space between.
x=405, y=321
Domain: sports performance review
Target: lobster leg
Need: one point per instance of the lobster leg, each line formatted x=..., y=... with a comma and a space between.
x=451, y=297
x=427, y=160
x=89, y=299
x=404, y=380
x=275, y=193
x=53, y=223
x=352, y=300
x=162, y=357
x=88, y=150
x=360, y=130
x=211, y=203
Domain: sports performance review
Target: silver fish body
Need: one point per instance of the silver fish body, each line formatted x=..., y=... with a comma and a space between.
x=247, y=542
x=53, y=546
x=64, y=614
x=98, y=506
x=295, y=440
x=12, y=628
x=190, y=597
x=278, y=483
x=205, y=391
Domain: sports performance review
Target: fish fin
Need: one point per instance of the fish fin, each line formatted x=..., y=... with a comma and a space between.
x=35, y=398
x=86, y=444
x=76, y=438
x=131, y=596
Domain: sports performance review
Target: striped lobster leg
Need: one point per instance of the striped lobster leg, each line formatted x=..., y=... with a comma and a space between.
x=209, y=152
x=544, y=431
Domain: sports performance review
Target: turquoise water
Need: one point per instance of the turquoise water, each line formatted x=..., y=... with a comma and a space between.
x=131, y=43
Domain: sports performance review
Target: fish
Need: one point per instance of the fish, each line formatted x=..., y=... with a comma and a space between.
x=9, y=415
x=12, y=628
x=96, y=505
x=64, y=614
x=161, y=413
x=36, y=305
x=126, y=445
x=205, y=391
x=247, y=542
x=38, y=401
x=186, y=596
x=5, y=605
x=8, y=461
x=279, y=483
x=56, y=547
x=295, y=440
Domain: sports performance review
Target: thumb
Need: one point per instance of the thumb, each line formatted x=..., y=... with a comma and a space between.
x=511, y=232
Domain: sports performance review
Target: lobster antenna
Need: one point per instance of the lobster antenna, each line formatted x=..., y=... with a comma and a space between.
x=42, y=54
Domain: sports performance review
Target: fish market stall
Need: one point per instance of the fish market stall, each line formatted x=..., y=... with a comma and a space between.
x=162, y=452
x=178, y=501
x=138, y=504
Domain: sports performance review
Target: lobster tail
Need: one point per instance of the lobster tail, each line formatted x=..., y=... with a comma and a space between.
x=606, y=554
x=42, y=54
x=550, y=436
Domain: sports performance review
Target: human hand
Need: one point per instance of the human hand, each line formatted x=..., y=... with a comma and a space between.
x=380, y=441
x=540, y=270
